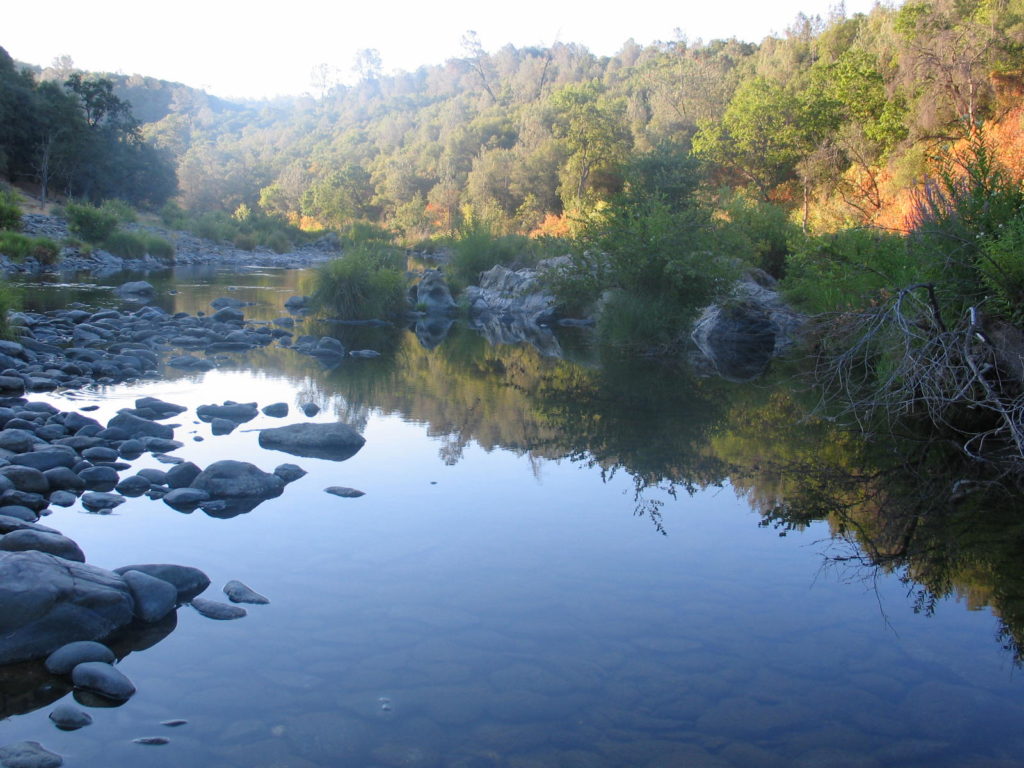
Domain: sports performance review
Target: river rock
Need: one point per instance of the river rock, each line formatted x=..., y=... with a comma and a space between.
x=27, y=479
x=136, y=426
x=137, y=290
x=238, y=592
x=276, y=410
x=64, y=479
x=185, y=498
x=343, y=492
x=432, y=295
x=21, y=513
x=104, y=679
x=289, y=472
x=95, y=501
x=335, y=441
x=47, y=602
x=188, y=581
x=230, y=479
x=29, y=754
x=47, y=458
x=134, y=485
x=219, y=426
x=70, y=718
x=99, y=478
x=69, y=656
x=182, y=475
x=19, y=440
x=239, y=413
x=164, y=410
x=211, y=609
x=154, y=598
x=62, y=498
x=41, y=541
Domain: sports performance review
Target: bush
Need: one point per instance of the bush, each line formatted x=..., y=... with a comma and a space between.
x=477, y=249
x=759, y=233
x=159, y=248
x=10, y=211
x=848, y=270
x=120, y=210
x=367, y=282
x=173, y=216
x=90, y=223
x=18, y=248
x=278, y=242
x=245, y=242
x=642, y=323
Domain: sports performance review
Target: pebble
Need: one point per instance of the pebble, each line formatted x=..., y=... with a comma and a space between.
x=174, y=723
x=153, y=741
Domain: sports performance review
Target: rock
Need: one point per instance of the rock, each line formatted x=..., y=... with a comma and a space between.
x=11, y=386
x=219, y=426
x=29, y=754
x=432, y=295
x=45, y=459
x=345, y=493
x=152, y=741
x=95, y=501
x=238, y=592
x=154, y=598
x=276, y=410
x=296, y=303
x=364, y=353
x=19, y=440
x=25, y=479
x=99, y=478
x=138, y=290
x=740, y=337
x=136, y=426
x=19, y=512
x=188, y=581
x=336, y=441
x=164, y=410
x=239, y=413
x=134, y=485
x=63, y=479
x=47, y=602
x=63, y=498
x=41, y=541
x=229, y=315
x=230, y=479
x=185, y=498
x=182, y=475
x=70, y=718
x=104, y=679
x=289, y=472
x=220, y=611
x=69, y=656
x=310, y=409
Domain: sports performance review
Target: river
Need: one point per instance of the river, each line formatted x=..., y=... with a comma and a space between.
x=557, y=562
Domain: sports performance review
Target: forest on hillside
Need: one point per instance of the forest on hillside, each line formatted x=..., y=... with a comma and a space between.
x=836, y=122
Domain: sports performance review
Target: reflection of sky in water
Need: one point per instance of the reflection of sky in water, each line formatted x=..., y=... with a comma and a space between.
x=498, y=612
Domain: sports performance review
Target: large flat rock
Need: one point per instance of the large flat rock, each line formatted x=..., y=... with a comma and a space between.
x=336, y=441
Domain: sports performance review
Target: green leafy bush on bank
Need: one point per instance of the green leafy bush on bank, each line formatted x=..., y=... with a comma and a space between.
x=367, y=282
x=10, y=211
x=136, y=245
x=92, y=224
x=18, y=247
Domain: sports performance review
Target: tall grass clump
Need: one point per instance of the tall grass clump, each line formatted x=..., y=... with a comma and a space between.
x=477, y=249
x=367, y=282
x=18, y=247
x=10, y=211
x=92, y=224
x=136, y=245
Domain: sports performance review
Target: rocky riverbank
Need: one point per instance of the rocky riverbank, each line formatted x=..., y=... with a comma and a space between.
x=189, y=250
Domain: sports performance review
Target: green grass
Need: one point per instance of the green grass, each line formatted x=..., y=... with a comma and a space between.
x=18, y=247
x=367, y=282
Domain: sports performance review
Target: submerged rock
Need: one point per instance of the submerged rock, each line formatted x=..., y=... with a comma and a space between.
x=219, y=611
x=104, y=679
x=70, y=718
x=29, y=754
x=238, y=592
x=343, y=492
x=335, y=441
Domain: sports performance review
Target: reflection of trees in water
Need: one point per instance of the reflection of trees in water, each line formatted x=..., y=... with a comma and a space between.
x=912, y=506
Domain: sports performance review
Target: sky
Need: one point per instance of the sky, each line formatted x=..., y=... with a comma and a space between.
x=259, y=49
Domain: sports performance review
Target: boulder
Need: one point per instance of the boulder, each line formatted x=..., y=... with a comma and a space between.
x=69, y=656
x=136, y=290
x=70, y=718
x=104, y=679
x=29, y=754
x=154, y=598
x=335, y=442
x=41, y=541
x=432, y=295
x=135, y=426
x=230, y=479
x=239, y=413
x=188, y=581
x=47, y=602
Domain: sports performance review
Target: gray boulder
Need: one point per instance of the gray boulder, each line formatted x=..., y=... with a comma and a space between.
x=47, y=602
x=211, y=609
x=70, y=718
x=104, y=679
x=335, y=442
x=136, y=426
x=28, y=539
x=188, y=581
x=432, y=295
x=230, y=479
x=29, y=754
x=239, y=413
x=69, y=656
x=154, y=598
x=136, y=290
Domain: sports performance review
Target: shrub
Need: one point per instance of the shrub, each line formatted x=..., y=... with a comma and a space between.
x=172, y=215
x=159, y=248
x=90, y=223
x=10, y=211
x=367, y=282
x=18, y=247
x=278, y=242
x=759, y=233
x=121, y=210
x=477, y=249
x=848, y=270
x=245, y=242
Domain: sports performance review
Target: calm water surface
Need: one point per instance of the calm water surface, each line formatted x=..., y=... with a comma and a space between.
x=527, y=582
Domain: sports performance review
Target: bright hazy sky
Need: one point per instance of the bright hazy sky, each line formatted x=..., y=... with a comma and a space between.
x=262, y=49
